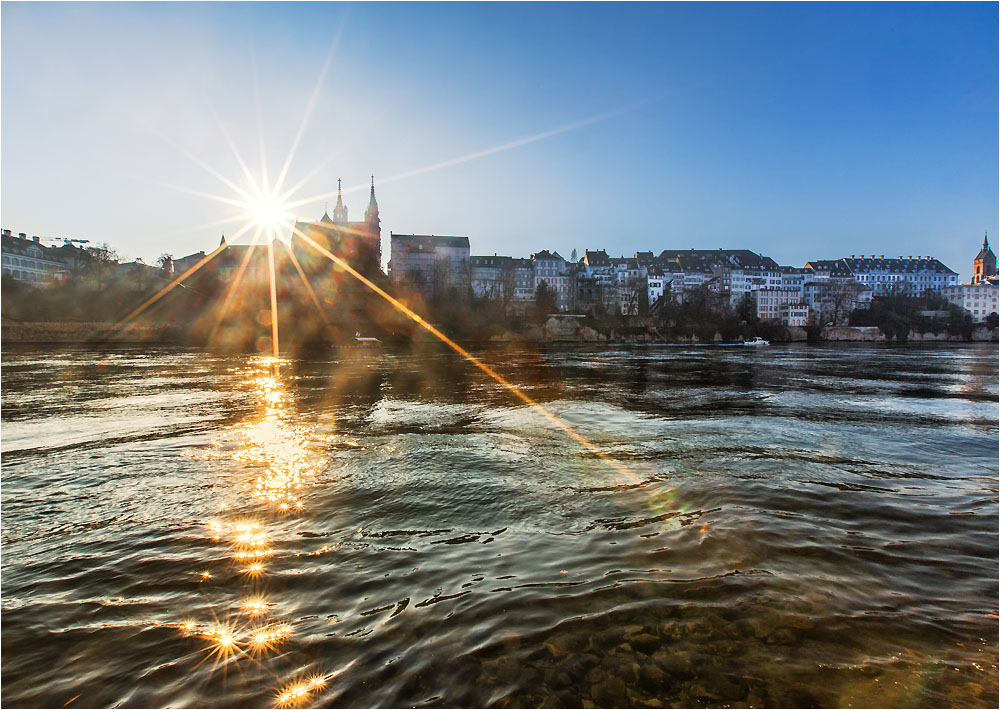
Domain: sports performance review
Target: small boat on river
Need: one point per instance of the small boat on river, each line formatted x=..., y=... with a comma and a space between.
x=756, y=342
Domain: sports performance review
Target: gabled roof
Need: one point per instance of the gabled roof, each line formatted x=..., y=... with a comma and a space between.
x=596, y=258
x=836, y=267
x=547, y=255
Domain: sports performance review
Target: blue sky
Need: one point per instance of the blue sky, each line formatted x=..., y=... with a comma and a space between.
x=801, y=131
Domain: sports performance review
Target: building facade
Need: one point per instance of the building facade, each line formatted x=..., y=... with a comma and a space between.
x=492, y=277
x=905, y=275
x=832, y=299
x=31, y=261
x=430, y=262
x=772, y=303
x=552, y=270
x=979, y=299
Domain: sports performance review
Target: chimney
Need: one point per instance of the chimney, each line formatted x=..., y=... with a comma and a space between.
x=22, y=235
x=35, y=239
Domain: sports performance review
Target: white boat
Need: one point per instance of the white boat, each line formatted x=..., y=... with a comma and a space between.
x=358, y=338
x=757, y=341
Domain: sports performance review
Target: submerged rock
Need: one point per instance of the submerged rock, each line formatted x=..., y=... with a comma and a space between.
x=611, y=693
x=647, y=643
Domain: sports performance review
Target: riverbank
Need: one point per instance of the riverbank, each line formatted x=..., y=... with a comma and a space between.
x=564, y=329
x=559, y=329
x=87, y=333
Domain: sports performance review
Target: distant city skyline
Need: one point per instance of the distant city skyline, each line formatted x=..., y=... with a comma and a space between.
x=799, y=131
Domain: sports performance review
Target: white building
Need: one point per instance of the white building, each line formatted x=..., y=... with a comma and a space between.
x=979, y=299
x=793, y=314
x=907, y=275
x=770, y=302
x=29, y=260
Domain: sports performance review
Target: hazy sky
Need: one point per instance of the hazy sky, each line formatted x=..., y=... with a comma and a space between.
x=799, y=131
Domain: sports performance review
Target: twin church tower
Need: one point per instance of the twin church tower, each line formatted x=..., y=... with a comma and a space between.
x=359, y=243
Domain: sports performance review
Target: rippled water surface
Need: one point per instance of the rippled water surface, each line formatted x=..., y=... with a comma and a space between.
x=795, y=526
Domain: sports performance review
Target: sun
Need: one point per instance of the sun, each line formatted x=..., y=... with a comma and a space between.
x=270, y=214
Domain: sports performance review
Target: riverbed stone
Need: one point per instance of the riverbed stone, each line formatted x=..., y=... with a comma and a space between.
x=677, y=665
x=610, y=693
x=647, y=643
x=652, y=678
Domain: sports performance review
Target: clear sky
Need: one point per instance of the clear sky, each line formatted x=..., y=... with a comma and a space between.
x=801, y=131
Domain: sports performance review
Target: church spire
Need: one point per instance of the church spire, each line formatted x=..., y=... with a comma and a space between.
x=371, y=214
x=986, y=241
x=340, y=211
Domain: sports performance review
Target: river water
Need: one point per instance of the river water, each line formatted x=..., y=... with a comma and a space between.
x=670, y=526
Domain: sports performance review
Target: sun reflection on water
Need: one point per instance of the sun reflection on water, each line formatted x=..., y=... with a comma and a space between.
x=282, y=451
x=278, y=458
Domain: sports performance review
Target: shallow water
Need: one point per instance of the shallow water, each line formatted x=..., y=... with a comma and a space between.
x=794, y=526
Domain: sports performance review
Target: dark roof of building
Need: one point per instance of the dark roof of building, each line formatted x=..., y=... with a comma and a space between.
x=596, y=258
x=547, y=255
x=628, y=261
x=836, y=267
x=490, y=260
x=20, y=245
x=427, y=242
x=694, y=267
x=729, y=258
x=900, y=265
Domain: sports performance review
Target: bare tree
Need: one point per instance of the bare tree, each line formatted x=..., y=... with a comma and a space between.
x=632, y=291
x=843, y=297
x=439, y=281
x=100, y=260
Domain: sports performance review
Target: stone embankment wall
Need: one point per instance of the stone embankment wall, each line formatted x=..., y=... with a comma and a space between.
x=87, y=333
x=979, y=335
x=867, y=334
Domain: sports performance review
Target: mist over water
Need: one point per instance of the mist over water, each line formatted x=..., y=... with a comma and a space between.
x=789, y=526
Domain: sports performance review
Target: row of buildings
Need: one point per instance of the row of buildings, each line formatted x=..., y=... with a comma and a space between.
x=826, y=290
x=443, y=266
